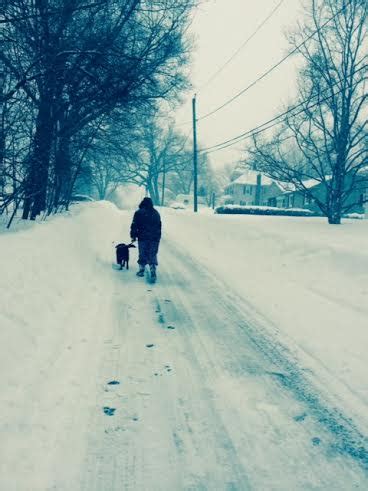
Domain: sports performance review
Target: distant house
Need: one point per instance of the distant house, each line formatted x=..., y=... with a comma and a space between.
x=252, y=188
x=301, y=198
x=295, y=198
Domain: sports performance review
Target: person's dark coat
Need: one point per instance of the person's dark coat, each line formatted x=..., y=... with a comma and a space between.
x=146, y=224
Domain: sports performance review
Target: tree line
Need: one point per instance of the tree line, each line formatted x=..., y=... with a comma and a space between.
x=149, y=151
x=79, y=79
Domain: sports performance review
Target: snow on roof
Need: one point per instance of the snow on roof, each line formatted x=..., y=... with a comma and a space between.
x=286, y=187
x=363, y=170
x=250, y=177
x=310, y=183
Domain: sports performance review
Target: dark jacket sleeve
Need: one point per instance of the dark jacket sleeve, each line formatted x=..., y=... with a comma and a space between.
x=159, y=226
x=134, y=227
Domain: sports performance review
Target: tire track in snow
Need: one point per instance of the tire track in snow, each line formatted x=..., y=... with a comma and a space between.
x=347, y=438
x=220, y=418
x=199, y=429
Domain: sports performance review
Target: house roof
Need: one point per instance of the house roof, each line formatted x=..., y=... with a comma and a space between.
x=310, y=183
x=250, y=177
x=285, y=187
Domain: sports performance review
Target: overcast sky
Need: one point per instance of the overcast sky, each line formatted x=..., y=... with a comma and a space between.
x=220, y=27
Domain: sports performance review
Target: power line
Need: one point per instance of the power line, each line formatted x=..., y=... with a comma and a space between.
x=273, y=11
x=271, y=122
x=294, y=50
x=237, y=138
x=259, y=27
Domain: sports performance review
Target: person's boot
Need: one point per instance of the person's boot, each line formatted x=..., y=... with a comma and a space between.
x=153, y=272
x=141, y=271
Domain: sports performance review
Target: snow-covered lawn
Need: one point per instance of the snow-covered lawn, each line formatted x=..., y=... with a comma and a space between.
x=209, y=405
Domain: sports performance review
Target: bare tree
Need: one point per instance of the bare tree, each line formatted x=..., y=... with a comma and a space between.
x=325, y=137
x=76, y=64
x=158, y=153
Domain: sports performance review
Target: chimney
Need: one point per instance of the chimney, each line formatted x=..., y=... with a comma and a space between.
x=258, y=190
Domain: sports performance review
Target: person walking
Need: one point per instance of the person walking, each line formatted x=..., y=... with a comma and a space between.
x=146, y=227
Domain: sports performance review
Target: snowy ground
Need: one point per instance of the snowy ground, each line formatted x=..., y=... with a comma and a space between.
x=256, y=379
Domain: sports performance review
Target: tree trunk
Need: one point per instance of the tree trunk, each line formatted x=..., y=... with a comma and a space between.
x=62, y=171
x=163, y=186
x=37, y=176
x=151, y=191
x=2, y=143
x=156, y=198
x=334, y=219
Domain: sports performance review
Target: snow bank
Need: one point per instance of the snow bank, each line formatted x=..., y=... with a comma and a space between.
x=128, y=197
x=262, y=210
x=55, y=291
x=45, y=270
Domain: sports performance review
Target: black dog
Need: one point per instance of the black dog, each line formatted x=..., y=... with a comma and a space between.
x=122, y=255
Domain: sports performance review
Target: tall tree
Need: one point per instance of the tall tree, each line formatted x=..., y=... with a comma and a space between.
x=77, y=63
x=325, y=138
x=157, y=153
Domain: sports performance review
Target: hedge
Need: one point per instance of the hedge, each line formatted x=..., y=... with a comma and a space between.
x=264, y=210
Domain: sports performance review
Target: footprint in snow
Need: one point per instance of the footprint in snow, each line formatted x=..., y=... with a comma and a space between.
x=300, y=417
x=109, y=411
x=150, y=345
x=113, y=382
x=316, y=441
x=171, y=327
x=114, y=430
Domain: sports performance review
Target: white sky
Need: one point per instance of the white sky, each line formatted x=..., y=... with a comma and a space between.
x=220, y=27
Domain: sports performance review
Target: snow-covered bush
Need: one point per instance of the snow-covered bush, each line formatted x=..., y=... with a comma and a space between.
x=178, y=206
x=77, y=198
x=263, y=210
x=356, y=216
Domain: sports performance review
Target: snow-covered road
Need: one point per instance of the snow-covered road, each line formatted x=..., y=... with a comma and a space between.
x=204, y=408
x=174, y=386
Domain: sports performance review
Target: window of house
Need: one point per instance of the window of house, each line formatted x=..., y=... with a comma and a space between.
x=244, y=189
x=250, y=189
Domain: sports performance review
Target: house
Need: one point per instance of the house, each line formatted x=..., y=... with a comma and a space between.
x=301, y=198
x=296, y=198
x=252, y=188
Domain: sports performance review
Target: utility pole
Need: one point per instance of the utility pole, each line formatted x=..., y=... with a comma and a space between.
x=258, y=190
x=195, y=156
x=213, y=200
x=163, y=185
